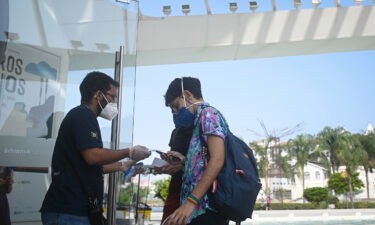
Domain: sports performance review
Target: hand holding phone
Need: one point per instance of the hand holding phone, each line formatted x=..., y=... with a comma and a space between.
x=172, y=156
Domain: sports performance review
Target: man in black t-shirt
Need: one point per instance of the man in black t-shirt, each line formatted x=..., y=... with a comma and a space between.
x=79, y=159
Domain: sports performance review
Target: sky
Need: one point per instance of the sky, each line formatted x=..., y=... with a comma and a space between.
x=315, y=90
x=334, y=89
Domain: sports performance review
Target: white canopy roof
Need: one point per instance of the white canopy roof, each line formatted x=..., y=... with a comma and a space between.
x=94, y=30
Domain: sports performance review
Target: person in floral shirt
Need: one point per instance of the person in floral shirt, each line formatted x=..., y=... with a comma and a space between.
x=184, y=96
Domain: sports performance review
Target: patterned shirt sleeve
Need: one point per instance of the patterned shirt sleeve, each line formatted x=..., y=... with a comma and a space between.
x=212, y=123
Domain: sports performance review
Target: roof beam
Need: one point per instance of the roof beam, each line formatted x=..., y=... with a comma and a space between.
x=220, y=37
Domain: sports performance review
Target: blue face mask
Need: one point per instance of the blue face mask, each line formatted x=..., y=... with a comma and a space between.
x=183, y=118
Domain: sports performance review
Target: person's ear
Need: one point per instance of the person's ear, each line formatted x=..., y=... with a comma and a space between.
x=189, y=96
x=98, y=95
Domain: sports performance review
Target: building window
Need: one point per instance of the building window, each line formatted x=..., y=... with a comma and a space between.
x=317, y=175
x=307, y=176
x=287, y=194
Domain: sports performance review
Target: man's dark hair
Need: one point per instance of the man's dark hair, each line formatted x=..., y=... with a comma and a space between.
x=191, y=84
x=93, y=82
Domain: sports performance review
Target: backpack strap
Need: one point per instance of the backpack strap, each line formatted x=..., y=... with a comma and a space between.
x=203, y=142
x=205, y=152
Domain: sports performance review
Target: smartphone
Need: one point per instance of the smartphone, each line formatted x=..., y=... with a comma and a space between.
x=164, y=155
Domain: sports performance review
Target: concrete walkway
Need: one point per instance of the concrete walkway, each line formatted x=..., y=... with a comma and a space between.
x=326, y=216
x=291, y=217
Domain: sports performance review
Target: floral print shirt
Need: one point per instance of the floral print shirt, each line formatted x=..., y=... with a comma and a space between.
x=211, y=122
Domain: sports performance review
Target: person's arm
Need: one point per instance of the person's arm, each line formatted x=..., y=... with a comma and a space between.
x=101, y=156
x=174, y=165
x=169, y=169
x=118, y=166
x=215, y=164
x=113, y=167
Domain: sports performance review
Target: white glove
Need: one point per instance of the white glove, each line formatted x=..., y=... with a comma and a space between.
x=126, y=165
x=138, y=153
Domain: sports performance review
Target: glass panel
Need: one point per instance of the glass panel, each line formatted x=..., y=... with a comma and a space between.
x=50, y=47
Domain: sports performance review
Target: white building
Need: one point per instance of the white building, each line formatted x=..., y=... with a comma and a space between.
x=370, y=129
x=362, y=176
x=315, y=176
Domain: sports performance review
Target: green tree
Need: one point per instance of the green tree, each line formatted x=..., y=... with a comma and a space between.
x=301, y=148
x=161, y=188
x=127, y=194
x=351, y=156
x=331, y=140
x=315, y=194
x=261, y=150
x=282, y=162
x=368, y=144
x=338, y=182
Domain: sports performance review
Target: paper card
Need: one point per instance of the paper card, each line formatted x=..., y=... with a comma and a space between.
x=159, y=162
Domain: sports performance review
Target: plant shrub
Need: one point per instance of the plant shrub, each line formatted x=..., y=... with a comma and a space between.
x=315, y=194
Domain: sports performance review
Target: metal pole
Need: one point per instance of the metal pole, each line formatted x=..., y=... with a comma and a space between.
x=137, y=201
x=115, y=139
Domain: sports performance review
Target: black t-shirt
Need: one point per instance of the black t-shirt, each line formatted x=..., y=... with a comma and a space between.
x=78, y=131
x=179, y=142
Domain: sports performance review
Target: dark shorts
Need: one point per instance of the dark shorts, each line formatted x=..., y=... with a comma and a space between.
x=209, y=218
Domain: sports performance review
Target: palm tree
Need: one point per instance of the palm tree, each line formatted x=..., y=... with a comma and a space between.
x=301, y=148
x=368, y=144
x=330, y=142
x=351, y=156
x=320, y=156
x=261, y=150
x=276, y=151
x=282, y=159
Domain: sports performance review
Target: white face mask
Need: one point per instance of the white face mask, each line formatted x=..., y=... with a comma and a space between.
x=110, y=111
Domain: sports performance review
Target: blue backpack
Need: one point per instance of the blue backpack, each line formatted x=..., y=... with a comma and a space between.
x=236, y=188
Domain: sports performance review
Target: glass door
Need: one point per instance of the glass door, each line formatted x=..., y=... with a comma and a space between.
x=47, y=48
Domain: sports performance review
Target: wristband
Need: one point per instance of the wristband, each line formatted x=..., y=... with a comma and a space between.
x=193, y=199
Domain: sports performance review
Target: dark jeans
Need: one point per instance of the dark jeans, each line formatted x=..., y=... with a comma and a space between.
x=209, y=218
x=63, y=219
x=4, y=210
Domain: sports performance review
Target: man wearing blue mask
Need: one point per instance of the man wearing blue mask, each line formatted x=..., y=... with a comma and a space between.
x=184, y=97
x=79, y=159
